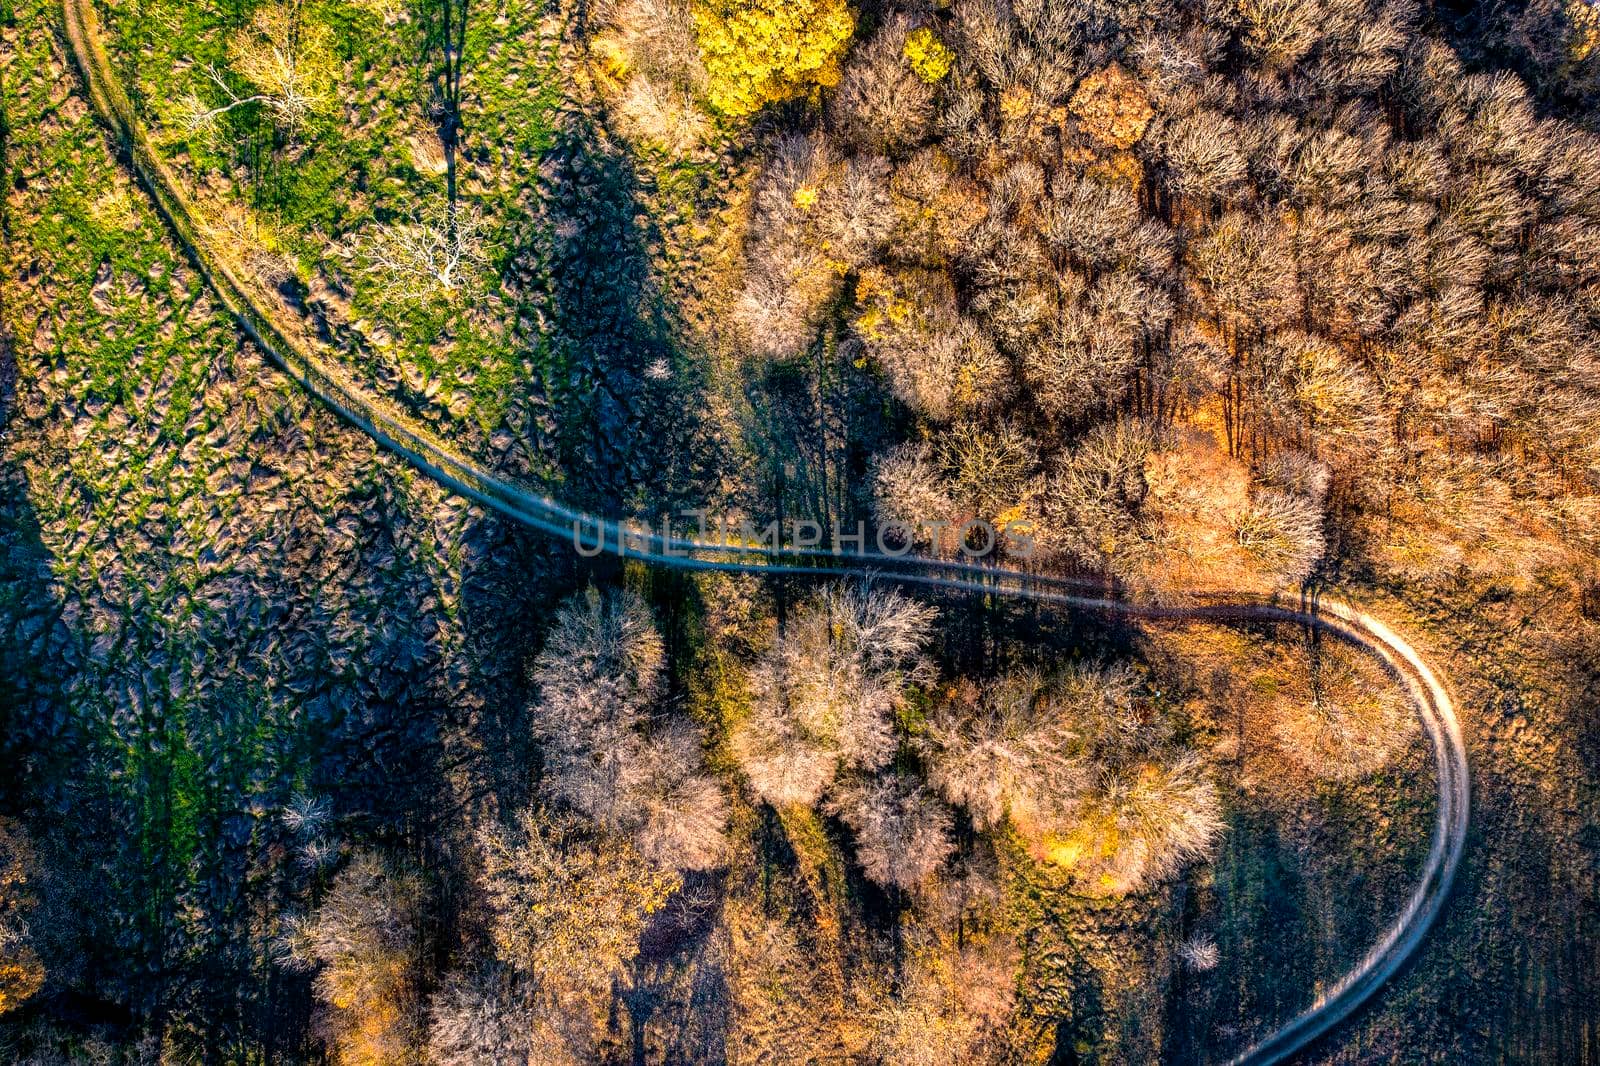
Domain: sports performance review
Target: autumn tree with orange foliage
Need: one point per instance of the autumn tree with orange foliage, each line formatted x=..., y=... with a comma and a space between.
x=362, y=943
x=1112, y=107
x=21, y=973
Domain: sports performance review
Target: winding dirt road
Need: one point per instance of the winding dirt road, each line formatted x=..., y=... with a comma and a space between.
x=318, y=372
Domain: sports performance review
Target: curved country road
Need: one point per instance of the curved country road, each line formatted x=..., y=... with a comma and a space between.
x=309, y=363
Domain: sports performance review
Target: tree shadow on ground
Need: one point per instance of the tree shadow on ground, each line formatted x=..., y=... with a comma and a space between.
x=620, y=398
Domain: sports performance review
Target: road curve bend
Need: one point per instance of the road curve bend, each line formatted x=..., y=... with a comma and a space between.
x=318, y=372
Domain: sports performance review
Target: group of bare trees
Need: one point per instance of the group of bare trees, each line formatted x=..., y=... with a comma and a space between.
x=989, y=229
x=1076, y=763
x=21, y=974
x=1082, y=768
x=610, y=753
x=565, y=910
x=565, y=887
x=1303, y=226
x=1421, y=227
x=648, y=49
x=628, y=808
x=1166, y=285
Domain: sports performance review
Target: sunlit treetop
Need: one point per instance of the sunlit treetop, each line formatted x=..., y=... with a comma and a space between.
x=758, y=52
x=1584, y=18
x=1112, y=107
x=928, y=56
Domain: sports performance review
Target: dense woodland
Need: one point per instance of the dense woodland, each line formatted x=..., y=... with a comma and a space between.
x=307, y=761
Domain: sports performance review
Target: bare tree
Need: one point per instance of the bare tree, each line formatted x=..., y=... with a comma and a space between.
x=568, y=904
x=909, y=489
x=602, y=658
x=492, y=1017
x=987, y=467
x=1007, y=750
x=1143, y=822
x=363, y=941
x=1080, y=362
x=1280, y=32
x=1338, y=719
x=882, y=104
x=853, y=215
x=1091, y=222
x=1283, y=531
x=1092, y=509
x=1237, y=268
x=1204, y=156
x=1199, y=953
x=788, y=279
x=285, y=57
x=598, y=677
x=649, y=48
x=826, y=690
x=662, y=115
x=939, y=362
x=951, y=1008
x=1334, y=400
x=902, y=832
x=786, y=767
x=1298, y=473
x=435, y=255
x=679, y=814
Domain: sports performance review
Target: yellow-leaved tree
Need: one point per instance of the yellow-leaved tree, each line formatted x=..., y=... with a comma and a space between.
x=758, y=52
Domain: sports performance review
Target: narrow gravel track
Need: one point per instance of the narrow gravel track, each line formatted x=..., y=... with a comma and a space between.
x=317, y=371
